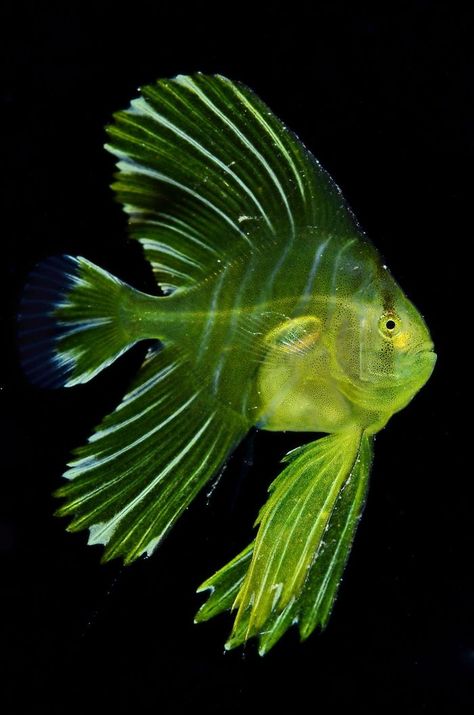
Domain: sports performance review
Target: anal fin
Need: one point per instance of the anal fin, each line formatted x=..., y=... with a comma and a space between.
x=148, y=460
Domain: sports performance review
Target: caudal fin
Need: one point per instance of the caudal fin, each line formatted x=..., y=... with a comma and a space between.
x=70, y=326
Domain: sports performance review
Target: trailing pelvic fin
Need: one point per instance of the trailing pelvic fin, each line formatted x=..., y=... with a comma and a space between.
x=291, y=573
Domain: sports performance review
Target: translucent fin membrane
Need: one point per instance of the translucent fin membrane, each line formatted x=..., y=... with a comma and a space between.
x=69, y=327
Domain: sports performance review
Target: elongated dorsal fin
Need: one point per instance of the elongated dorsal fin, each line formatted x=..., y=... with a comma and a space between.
x=207, y=171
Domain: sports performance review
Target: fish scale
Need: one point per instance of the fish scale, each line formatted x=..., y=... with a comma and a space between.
x=275, y=312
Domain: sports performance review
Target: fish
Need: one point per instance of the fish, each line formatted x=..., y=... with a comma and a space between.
x=272, y=311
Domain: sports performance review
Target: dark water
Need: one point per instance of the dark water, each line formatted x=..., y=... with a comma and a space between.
x=384, y=100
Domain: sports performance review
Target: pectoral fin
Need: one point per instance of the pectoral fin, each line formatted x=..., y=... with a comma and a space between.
x=292, y=571
x=295, y=336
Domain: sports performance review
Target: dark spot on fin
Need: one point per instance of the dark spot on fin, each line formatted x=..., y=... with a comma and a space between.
x=38, y=328
x=69, y=324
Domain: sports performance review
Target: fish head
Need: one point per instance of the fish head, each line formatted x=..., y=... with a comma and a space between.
x=386, y=353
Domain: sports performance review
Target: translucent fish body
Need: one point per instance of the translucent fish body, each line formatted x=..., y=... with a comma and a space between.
x=277, y=313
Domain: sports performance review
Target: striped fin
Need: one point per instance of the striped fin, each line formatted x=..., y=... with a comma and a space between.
x=277, y=600
x=70, y=324
x=207, y=171
x=148, y=460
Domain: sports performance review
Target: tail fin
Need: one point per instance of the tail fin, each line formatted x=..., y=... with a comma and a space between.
x=69, y=324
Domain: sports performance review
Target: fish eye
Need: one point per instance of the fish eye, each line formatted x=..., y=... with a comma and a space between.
x=389, y=325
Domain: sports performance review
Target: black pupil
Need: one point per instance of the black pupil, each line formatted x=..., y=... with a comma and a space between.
x=390, y=324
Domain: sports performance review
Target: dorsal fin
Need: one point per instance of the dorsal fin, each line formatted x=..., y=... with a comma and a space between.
x=207, y=171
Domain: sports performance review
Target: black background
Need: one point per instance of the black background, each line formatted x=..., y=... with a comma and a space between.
x=382, y=95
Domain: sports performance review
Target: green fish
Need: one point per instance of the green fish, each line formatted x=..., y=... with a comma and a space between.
x=276, y=313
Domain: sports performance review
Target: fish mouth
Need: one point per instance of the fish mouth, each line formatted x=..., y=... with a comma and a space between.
x=427, y=346
x=423, y=360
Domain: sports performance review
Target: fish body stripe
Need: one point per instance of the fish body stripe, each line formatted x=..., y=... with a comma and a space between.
x=212, y=313
x=308, y=289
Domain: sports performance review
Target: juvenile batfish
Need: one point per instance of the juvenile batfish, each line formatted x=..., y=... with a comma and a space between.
x=277, y=313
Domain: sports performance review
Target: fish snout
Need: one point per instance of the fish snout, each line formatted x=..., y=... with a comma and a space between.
x=427, y=346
